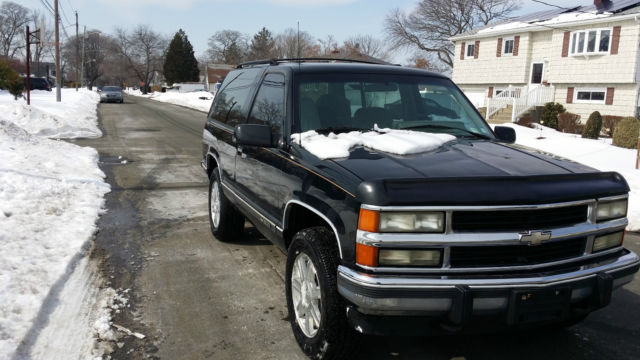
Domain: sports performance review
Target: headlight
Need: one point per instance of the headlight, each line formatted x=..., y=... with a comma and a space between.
x=412, y=222
x=409, y=257
x=608, y=241
x=608, y=210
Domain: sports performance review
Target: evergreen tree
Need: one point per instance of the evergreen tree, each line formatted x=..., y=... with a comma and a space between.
x=262, y=45
x=180, y=64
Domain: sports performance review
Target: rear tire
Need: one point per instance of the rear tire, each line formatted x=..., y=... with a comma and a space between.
x=227, y=223
x=317, y=312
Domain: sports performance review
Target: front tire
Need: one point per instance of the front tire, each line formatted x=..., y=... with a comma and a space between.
x=227, y=223
x=317, y=312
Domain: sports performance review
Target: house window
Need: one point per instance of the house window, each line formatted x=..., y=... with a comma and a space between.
x=507, y=47
x=594, y=41
x=591, y=96
x=470, y=50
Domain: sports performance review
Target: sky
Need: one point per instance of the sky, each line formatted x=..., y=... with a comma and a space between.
x=200, y=19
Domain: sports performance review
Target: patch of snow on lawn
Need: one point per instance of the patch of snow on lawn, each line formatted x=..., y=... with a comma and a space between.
x=400, y=142
x=51, y=193
x=75, y=116
x=198, y=100
x=598, y=154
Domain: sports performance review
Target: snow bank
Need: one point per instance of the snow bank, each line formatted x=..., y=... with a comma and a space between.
x=75, y=116
x=51, y=193
x=598, y=154
x=401, y=142
x=198, y=100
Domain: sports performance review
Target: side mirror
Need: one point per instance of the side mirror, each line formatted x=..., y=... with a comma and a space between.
x=505, y=134
x=253, y=135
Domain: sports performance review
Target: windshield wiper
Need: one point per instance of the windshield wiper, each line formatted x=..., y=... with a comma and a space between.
x=338, y=129
x=436, y=126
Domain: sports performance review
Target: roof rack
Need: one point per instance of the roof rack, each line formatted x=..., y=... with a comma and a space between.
x=306, y=59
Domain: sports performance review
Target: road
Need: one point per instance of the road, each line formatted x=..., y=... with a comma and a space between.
x=197, y=298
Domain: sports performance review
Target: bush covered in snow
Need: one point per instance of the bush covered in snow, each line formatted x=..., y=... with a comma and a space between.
x=549, y=114
x=593, y=126
x=626, y=133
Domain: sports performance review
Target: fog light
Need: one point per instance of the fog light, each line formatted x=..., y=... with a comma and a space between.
x=608, y=241
x=409, y=257
x=609, y=210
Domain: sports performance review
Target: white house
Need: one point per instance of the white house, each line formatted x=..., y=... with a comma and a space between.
x=586, y=58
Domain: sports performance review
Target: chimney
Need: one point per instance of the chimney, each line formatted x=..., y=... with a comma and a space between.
x=602, y=5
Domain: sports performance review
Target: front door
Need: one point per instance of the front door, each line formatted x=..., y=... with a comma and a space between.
x=537, y=70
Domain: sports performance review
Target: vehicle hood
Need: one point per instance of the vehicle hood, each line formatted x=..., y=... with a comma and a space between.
x=505, y=173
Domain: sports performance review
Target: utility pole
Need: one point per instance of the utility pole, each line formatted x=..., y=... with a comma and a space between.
x=58, y=77
x=84, y=35
x=77, y=51
x=35, y=33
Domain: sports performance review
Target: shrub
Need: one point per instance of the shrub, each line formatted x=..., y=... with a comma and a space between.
x=609, y=123
x=626, y=134
x=10, y=80
x=156, y=88
x=569, y=123
x=549, y=114
x=526, y=120
x=593, y=126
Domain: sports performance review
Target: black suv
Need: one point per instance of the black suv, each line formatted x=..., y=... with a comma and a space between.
x=36, y=83
x=475, y=231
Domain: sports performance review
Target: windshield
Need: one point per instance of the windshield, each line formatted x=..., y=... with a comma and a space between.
x=111, y=88
x=347, y=102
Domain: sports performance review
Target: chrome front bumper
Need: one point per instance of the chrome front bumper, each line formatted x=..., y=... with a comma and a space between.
x=379, y=294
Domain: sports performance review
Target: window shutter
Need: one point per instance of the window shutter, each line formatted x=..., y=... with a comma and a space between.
x=615, y=40
x=498, y=51
x=462, y=50
x=569, y=95
x=565, y=43
x=476, y=50
x=490, y=92
x=516, y=43
x=609, y=97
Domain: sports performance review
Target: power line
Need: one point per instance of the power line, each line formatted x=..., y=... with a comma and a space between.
x=47, y=6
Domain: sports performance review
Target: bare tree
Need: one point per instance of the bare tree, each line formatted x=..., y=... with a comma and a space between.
x=367, y=45
x=433, y=22
x=228, y=47
x=143, y=50
x=293, y=44
x=45, y=47
x=328, y=45
x=13, y=19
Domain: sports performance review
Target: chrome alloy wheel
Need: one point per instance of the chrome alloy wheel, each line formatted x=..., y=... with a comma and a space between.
x=215, y=204
x=305, y=293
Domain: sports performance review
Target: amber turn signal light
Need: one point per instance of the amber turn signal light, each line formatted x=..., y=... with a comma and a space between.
x=369, y=220
x=366, y=255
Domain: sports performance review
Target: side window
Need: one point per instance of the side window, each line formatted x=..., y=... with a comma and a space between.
x=231, y=104
x=268, y=108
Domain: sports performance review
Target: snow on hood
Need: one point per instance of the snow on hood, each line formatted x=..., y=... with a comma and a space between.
x=400, y=142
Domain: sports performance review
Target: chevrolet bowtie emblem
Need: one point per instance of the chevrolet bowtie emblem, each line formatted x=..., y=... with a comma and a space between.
x=534, y=237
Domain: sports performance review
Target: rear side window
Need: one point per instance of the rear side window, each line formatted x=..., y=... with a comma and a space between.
x=232, y=102
x=268, y=108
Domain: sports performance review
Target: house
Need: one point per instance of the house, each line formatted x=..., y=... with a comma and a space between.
x=215, y=73
x=586, y=58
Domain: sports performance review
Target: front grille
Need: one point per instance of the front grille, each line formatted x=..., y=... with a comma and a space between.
x=518, y=220
x=516, y=255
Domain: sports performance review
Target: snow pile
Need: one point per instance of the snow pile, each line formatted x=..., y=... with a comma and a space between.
x=560, y=19
x=75, y=116
x=401, y=142
x=198, y=100
x=598, y=154
x=51, y=193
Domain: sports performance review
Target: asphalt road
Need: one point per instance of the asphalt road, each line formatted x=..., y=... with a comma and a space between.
x=197, y=298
